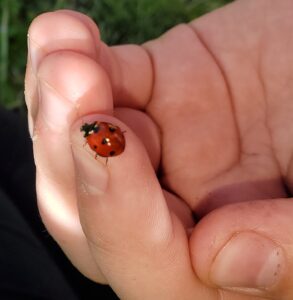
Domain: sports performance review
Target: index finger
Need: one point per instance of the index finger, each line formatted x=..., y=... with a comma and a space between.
x=129, y=67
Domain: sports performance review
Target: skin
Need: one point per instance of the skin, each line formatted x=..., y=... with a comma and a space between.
x=208, y=105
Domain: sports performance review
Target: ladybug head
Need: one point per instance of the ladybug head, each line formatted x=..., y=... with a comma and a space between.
x=89, y=128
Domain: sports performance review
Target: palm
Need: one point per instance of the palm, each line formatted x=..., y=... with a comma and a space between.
x=206, y=76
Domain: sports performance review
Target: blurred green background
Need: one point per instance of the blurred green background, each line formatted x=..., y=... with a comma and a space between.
x=120, y=21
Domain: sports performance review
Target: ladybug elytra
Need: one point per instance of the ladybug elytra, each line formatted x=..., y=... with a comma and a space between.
x=105, y=139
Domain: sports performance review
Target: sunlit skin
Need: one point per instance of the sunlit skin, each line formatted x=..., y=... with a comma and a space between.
x=208, y=106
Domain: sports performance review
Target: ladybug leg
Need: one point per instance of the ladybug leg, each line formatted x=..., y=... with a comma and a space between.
x=107, y=161
x=96, y=155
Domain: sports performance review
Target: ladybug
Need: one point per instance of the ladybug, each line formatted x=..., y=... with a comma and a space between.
x=104, y=138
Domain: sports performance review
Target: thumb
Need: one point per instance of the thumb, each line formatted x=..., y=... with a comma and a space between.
x=132, y=236
x=247, y=247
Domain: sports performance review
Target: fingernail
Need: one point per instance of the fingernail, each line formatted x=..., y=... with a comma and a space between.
x=248, y=261
x=54, y=109
x=34, y=52
x=91, y=173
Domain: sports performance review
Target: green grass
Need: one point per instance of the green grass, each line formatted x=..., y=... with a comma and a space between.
x=120, y=21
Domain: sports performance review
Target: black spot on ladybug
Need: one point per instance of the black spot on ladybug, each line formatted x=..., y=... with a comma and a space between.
x=112, y=153
x=112, y=128
x=95, y=146
x=104, y=141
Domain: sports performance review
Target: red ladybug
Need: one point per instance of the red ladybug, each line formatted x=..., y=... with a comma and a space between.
x=104, y=138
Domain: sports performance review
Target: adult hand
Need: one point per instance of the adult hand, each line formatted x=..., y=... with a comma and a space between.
x=210, y=102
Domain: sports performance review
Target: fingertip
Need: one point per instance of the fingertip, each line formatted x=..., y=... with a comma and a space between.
x=131, y=72
x=54, y=31
x=133, y=194
x=77, y=77
x=239, y=248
